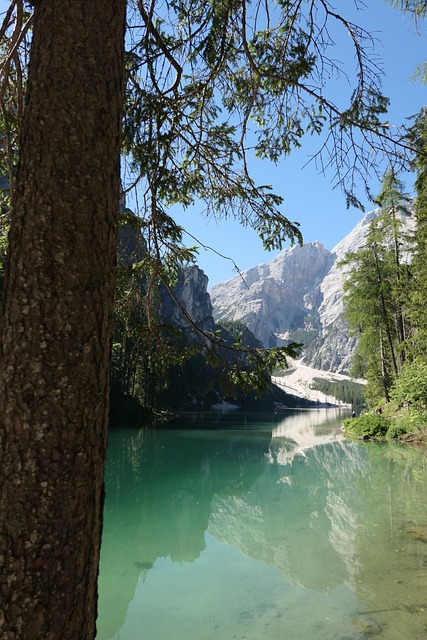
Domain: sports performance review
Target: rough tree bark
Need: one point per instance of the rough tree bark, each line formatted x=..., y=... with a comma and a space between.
x=56, y=322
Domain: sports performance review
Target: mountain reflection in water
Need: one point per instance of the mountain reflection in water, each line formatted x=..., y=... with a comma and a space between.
x=261, y=526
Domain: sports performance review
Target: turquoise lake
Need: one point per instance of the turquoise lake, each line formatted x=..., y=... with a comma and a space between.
x=262, y=527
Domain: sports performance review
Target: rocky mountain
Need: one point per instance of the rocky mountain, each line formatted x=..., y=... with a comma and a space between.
x=190, y=296
x=297, y=296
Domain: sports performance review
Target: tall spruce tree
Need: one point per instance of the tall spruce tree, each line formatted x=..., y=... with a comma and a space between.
x=377, y=290
x=395, y=207
x=368, y=311
x=418, y=288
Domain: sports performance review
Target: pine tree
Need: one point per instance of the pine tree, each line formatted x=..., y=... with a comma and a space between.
x=395, y=206
x=370, y=311
x=377, y=290
x=418, y=288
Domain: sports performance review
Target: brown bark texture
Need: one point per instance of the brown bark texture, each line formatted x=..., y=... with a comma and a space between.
x=56, y=322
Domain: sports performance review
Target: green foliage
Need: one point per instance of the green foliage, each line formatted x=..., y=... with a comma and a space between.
x=411, y=421
x=397, y=430
x=393, y=202
x=417, y=345
x=376, y=288
x=244, y=365
x=367, y=309
x=143, y=349
x=373, y=425
x=14, y=54
x=240, y=333
x=410, y=389
x=393, y=426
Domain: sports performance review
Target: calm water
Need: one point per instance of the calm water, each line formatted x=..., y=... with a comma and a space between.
x=262, y=528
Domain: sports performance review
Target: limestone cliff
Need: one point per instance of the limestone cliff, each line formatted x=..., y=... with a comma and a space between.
x=297, y=296
x=277, y=298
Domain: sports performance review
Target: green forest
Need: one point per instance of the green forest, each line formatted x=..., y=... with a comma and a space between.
x=349, y=392
x=385, y=303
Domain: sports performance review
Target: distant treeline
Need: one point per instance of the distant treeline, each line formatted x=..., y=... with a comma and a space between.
x=346, y=391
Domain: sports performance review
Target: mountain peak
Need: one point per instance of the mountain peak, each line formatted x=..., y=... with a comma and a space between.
x=297, y=296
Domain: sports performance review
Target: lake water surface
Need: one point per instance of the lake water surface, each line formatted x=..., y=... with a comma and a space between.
x=262, y=527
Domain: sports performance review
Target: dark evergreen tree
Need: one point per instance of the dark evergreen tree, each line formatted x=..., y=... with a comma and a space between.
x=418, y=288
x=370, y=311
x=395, y=206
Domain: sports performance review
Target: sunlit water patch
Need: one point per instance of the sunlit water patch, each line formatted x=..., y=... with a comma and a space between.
x=275, y=527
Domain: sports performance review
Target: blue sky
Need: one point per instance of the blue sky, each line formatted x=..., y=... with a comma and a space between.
x=309, y=197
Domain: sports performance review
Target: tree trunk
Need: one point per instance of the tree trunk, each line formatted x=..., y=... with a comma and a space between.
x=56, y=322
x=385, y=317
x=384, y=374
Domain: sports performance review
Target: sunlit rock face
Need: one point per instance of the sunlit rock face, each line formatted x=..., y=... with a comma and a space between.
x=298, y=296
x=276, y=298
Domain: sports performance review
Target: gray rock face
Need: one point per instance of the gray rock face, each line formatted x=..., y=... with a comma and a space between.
x=298, y=296
x=193, y=299
x=275, y=299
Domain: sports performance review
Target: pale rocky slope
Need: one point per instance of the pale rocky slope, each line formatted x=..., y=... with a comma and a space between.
x=298, y=381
